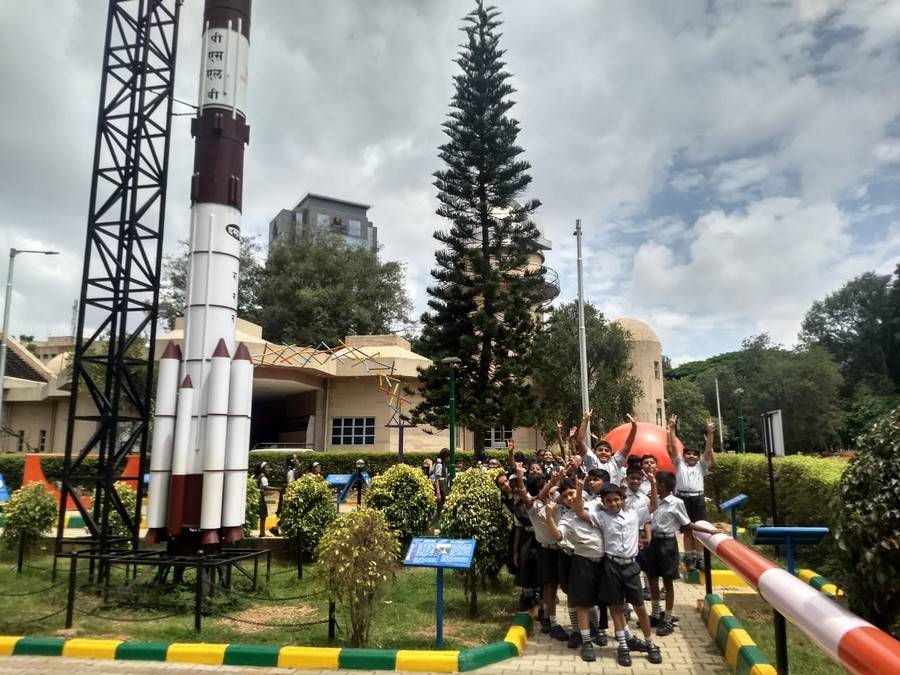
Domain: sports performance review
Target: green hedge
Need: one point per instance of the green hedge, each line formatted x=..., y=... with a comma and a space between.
x=345, y=462
x=13, y=465
x=804, y=486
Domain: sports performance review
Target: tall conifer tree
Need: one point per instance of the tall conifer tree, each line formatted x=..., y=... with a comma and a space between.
x=487, y=292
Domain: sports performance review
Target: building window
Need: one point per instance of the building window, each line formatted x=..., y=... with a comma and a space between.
x=497, y=437
x=353, y=431
x=298, y=217
x=355, y=228
x=42, y=440
x=20, y=445
x=656, y=369
x=659, y=412
x=323, y=219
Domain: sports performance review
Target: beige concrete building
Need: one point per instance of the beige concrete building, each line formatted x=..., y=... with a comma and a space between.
x=36, y=402
x=308, y=399
x=646, y=366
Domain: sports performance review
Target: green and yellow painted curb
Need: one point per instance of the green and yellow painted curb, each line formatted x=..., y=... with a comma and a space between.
x=820, y=583
x=314, y=658
x=740, y=652
x=719, y=578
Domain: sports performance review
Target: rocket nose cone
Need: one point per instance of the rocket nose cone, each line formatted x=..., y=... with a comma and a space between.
x=187, y=384
x=221, y=350
x=172, y=351
x=242, y=353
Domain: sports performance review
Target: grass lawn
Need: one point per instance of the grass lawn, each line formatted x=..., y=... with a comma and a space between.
x=405, y=617
x=804, y=656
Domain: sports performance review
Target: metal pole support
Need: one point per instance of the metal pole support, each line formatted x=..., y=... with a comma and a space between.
x=332, y=622
x=707, y=572
x=70, y=596
x=781, y=650
x=198, y=597
x=20, y=563
x=299, y=559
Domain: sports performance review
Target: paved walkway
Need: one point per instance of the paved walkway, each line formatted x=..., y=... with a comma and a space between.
x=688, y=650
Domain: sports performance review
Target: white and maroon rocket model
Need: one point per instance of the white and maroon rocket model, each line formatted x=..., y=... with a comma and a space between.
x=200, y=450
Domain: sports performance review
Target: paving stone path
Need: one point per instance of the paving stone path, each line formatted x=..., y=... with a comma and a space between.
x=688, y=650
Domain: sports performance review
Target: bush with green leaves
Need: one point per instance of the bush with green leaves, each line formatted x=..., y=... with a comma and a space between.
x=307, y=510
x=473, y=511
x=357, y=554
x=406, y=497
x=128, y=496
x=868, y=526
x=30, y=512
x=251, y=506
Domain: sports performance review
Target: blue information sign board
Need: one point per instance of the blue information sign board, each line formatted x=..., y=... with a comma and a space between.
x=440, y=554
x=339, y=480
x=434, y=552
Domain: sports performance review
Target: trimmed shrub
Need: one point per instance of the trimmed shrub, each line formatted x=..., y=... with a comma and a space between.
x=473, y=511
x=30, y=512
x=129, y=499
x=307, y=510
x=357, y=554
x=868, y=526
x=406, y=497
x=251, y=507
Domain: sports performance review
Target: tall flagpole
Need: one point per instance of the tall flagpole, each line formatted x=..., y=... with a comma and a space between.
x=582, y=340
x=719, y=411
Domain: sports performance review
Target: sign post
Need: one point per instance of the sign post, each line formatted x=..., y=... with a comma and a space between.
x=440, y=553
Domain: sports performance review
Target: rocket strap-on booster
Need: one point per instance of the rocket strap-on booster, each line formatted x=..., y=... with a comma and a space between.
x=197, y=494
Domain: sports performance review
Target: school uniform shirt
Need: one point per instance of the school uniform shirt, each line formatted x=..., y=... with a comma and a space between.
x=689, y=478
x=635, y=499
x=584, y=539
x=589, y=461
x=645, y=487
x=538, y=515
x=620, y=530
x=561, y=511
x=612, y=466
x=670, y=516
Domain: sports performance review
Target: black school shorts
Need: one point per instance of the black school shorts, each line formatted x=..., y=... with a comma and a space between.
x=620, y=584
x=695, y=507
x=563, y=567
x=528, y=574
x=585, y=579
x=661, y=558
x=549, y=565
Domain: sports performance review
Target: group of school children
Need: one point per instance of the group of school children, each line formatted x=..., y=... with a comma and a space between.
x=592, y=522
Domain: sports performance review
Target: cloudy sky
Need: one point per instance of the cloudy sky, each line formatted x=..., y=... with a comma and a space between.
x=730, y=161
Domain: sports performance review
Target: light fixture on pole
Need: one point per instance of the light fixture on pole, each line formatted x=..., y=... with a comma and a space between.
x=740, y=394
x=9, y=283
x=452, y=361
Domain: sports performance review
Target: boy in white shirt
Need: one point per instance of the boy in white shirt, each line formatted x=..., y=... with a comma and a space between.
x=621, y=581
x=660, y=558
x=690, y=477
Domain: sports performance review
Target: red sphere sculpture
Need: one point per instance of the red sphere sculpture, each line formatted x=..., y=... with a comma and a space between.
x=650, y=440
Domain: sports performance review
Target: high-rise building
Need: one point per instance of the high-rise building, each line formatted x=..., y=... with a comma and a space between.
x=315, y=214
x=646, y=366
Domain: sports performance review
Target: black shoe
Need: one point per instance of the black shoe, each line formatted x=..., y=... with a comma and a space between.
x=545, y=626
x=623, y=656
x=672, y=618
x=635, y=644
x=574, y=639
x=665, y=628
x=587, y=652
x=559, y=633
x=600, y=639
x=653, y=654
x=654, y=621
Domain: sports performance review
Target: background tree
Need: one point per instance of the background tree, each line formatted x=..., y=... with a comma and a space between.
x=317, y=288
x=685, y=399
x=557, y=373
x=855, y=325
x=482, y=305
x=175, y=271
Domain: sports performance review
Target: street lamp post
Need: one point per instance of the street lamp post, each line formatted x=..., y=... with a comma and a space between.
x=9, y=283
x=452, y=361
x=740, y=394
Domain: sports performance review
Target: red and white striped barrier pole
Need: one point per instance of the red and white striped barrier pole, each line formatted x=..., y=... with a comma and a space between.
x=855, y=644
